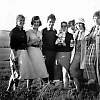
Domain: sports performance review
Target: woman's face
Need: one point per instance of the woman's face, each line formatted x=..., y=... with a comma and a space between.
x=50, y=23
x=64, y=26
x=98, y=21
x=20, y=22
x=36, y=24
x=81, y=26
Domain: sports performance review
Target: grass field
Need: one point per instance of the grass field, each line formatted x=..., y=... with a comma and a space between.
x=4, y=53
x=37, y=92
x=21, y=93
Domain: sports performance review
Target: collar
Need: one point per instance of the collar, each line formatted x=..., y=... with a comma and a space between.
x=97, y=27
x=81, y=31
x=64, y=32
x=19, y=27
x=50, y=29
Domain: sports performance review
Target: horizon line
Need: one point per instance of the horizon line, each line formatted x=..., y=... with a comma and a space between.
x=5, y=30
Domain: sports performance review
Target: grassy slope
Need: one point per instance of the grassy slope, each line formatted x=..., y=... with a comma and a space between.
x=4, y=38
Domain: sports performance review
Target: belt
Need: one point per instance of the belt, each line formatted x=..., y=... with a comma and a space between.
x=35, y=45
x=22, y=49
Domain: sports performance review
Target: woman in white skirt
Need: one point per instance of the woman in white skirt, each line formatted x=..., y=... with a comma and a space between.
x=36, y=68
x=18, y=55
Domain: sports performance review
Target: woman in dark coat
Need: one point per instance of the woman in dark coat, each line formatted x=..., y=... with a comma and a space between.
x=48, y=46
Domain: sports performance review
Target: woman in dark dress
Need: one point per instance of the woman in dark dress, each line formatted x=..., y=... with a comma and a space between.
x=75, y=69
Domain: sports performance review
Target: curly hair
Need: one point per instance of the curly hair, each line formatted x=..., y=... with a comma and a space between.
x=71, y=22
x=51, y=16
x=20, y=17
x=36, y=18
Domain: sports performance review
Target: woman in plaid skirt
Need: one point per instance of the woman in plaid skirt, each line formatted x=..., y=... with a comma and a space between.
x=91, y=59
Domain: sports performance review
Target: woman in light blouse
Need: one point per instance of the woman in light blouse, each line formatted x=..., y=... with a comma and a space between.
x=36, y=68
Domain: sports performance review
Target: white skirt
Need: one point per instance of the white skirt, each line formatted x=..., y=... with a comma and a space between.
x=32, y=64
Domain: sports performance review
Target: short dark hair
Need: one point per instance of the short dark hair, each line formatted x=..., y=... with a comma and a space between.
x=64, y=23
x=97, y=14
x=83, y=25
x=51, y=16
x=71, y=22
x=36, y=18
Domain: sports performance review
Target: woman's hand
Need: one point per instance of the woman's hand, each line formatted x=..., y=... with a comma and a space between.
x=34, y=42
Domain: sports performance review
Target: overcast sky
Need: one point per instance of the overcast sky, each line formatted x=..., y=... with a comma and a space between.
x=63, y=9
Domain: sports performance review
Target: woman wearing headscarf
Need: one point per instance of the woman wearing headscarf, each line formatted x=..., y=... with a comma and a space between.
x=75, y=68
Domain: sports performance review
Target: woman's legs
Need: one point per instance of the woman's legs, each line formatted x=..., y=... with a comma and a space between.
x=50, y=61
x=11, y=83
x=76, y=72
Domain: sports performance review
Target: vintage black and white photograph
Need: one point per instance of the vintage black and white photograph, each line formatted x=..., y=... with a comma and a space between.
x=49, y=50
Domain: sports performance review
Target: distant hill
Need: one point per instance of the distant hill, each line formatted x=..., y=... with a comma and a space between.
x=4, y=38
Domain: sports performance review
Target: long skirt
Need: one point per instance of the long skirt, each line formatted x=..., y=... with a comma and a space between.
x=32, y=64
x=75, y=66
x=90, y=63
x=20, y=66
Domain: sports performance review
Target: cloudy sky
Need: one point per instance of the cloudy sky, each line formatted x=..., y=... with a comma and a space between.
x=63, y=9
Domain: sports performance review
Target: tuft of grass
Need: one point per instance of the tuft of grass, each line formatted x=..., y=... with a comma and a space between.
x=37, y=92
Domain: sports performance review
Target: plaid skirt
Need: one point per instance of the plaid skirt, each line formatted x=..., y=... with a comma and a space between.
x=90, y=62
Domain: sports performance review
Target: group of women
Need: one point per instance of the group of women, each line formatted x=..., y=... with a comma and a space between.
x=36, y=54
